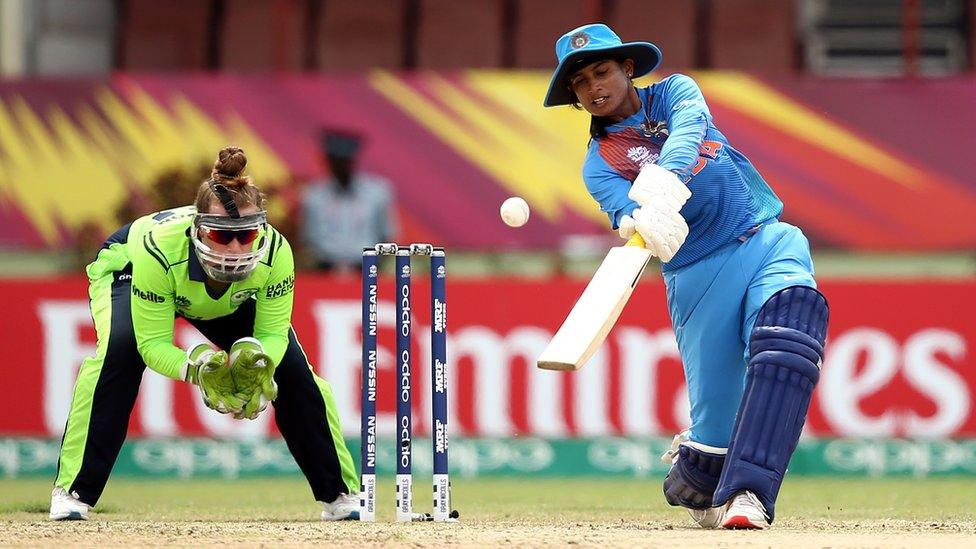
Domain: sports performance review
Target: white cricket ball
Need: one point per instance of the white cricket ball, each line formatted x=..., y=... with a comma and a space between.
x=515, y=211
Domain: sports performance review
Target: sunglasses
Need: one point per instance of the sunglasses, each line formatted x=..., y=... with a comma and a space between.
x=225, y=236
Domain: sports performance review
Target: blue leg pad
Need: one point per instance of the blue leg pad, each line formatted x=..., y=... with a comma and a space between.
x=786, y=346
x=693, y=478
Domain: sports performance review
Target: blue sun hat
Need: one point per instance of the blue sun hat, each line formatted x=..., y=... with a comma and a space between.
x=582, y=45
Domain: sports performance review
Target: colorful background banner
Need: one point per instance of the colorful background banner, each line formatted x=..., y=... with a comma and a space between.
x=71, y=151
x=899, y=362
x=637, y=458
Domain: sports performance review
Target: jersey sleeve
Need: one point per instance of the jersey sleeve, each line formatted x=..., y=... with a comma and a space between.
x=607, y=186
x=153, y=310
x=688, y=118
x=274, y=302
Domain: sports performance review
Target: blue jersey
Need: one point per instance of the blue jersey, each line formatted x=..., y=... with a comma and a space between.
x=674, y=129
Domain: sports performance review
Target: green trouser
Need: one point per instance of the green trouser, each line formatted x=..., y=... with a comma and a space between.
x=107, y=385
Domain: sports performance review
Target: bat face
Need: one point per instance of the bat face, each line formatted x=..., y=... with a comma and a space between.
x=597, y=309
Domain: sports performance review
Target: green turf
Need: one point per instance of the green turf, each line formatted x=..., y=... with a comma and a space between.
x=290, y=499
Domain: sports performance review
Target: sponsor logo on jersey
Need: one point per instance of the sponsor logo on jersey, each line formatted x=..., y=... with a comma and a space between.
x=279, y=289
x=687, y=103
x=147, y=296
x=182, y=302
x=241, y=296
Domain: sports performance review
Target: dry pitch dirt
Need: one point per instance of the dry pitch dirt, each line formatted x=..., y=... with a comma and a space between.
x=788, y=533
x=814, y=512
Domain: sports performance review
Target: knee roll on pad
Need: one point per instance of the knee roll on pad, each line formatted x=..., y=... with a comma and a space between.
x=693, y=478
x=786, y=349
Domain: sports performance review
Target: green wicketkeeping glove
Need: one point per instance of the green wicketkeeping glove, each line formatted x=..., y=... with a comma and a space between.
x=209, y=371
x=254, y=372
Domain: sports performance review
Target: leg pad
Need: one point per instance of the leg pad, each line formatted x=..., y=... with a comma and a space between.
x=693, y=478
x=786, y=347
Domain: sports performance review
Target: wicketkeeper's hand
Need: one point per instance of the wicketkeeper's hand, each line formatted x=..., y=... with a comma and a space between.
x=209, y=370
x=254, y=372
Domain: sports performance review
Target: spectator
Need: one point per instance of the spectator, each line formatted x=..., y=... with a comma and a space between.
x=346, y=212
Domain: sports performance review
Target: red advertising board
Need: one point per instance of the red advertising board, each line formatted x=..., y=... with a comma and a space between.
x=899, y=361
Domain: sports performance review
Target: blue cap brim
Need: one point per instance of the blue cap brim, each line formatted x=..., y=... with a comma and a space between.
x=646, y=58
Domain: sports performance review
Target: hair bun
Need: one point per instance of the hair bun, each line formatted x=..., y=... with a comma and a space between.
x=230, y=165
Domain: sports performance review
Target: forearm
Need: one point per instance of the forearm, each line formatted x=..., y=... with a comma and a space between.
x=274, y=345
x=163, y=357
x=680, y=151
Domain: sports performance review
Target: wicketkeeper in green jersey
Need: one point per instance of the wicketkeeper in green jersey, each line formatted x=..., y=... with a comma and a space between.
x=221, y=266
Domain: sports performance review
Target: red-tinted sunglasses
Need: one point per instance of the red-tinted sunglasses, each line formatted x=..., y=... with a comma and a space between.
x=225, y=236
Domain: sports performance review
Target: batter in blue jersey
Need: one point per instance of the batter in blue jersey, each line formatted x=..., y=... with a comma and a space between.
x=748, y=318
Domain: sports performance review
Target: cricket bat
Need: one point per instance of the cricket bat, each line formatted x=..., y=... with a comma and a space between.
x=598, y=308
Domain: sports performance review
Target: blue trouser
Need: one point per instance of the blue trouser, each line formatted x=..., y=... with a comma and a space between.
x=714, y=303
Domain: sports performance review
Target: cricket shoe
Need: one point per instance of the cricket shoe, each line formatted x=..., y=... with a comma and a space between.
x=65, y=506
x=745, y=512
x=710, y=518
x=345, y=507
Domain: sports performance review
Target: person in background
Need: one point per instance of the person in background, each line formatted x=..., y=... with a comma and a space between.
x=745, y=308
x=346, y=212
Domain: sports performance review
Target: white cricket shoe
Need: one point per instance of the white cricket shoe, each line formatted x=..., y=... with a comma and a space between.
x=65, y=506
x=708, y=518
x=746, y=512
x=345, y=507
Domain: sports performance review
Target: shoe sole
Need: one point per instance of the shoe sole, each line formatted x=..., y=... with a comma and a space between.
x=741, y=522
x=351, y=516
x=73, y=515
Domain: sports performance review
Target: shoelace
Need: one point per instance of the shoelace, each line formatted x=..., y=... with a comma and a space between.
x=755, y=501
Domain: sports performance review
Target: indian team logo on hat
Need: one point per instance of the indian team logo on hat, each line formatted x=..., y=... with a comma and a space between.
x=579, y=40
x=243, y=295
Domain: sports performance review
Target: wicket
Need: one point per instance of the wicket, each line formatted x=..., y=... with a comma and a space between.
x=404, y=422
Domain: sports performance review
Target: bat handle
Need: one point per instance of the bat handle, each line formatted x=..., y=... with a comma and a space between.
x=636, y=240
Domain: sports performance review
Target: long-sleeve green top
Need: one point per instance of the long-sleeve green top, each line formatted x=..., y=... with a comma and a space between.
x=168, y=280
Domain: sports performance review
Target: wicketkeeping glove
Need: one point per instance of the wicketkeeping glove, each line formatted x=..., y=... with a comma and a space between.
x=254, y=372
x=209, y=371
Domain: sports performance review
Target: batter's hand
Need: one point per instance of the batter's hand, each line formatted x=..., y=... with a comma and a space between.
x=659, y=186
x=663, y=231
x=627, y=227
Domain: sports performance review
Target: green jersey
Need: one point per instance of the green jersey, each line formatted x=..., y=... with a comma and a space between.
x=168, y=280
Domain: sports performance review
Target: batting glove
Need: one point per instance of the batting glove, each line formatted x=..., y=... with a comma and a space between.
x=208, y=370
x=659, y=186
x=254, y=372
x=627, y=227
x=663, y=231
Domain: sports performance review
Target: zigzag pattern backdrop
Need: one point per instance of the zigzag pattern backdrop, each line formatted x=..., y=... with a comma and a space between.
x=852, y=165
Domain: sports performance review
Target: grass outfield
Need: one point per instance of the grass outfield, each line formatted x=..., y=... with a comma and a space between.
x=812, y=511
